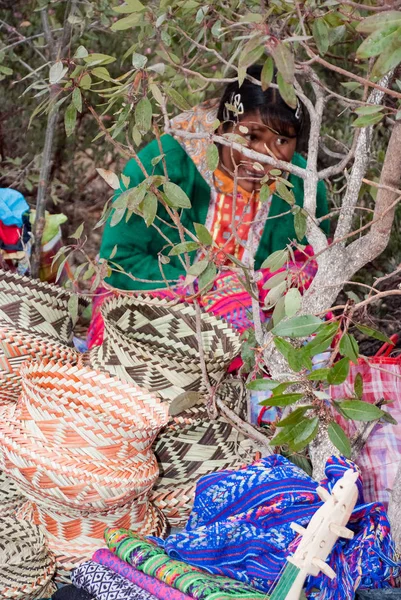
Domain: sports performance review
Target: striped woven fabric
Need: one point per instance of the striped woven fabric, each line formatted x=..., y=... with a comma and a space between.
x=36, y=307
x=26, y=565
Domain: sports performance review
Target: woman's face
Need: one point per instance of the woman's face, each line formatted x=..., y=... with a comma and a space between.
x=261, y=139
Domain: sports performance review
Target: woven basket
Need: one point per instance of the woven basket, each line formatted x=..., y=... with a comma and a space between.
x=15, y=348
x=170, y=329
x=26, y=565
x=11, y=499
x=81, y=475
x=153, y=343
x=193, y=446
x=36, y=307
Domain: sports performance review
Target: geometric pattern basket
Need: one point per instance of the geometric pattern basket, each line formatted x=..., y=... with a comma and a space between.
x=153, y=343
x=15, y=348
x=37, y=307
x=26, y=565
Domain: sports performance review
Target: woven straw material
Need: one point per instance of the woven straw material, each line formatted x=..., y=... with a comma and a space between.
x=26, y=565
x=11, y=499
x=153, y=343
x=15, y=348
x=85, y=474
x=193, y=446
x=171, y=328
x=36, y=307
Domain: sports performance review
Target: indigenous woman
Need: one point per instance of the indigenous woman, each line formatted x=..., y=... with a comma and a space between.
x=229, y=195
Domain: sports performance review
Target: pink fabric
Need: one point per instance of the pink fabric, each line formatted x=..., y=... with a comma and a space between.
x=381, y=455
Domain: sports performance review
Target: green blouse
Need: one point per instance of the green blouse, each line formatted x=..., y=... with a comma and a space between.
x=138, y=246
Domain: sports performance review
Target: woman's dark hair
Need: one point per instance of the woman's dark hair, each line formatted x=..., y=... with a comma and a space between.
x=274, y=112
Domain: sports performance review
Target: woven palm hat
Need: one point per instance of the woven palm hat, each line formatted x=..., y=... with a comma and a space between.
x=37, y=307
x=18, y=346
x=26, y=565
x=11, y=498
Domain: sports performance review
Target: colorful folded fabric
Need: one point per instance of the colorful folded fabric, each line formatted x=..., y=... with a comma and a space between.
x=104, y=584
x=240, y=527
x=147, y=557
x=149, y=584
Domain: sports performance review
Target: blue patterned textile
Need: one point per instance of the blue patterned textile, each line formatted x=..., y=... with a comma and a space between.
x=240, y=527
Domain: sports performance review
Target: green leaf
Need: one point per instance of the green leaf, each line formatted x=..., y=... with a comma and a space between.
x=377, y=42
x=264, y=193
x=284, y=60
x=127, y=22
x=360, y=411
x=101, y=73
x=176, y=196
x=143, y=115
x=177, y=99
x=81, y=52
x=98, y=59
x=57, y=72
x=349, y=347
x=6, y=71
x=198, y=268
x=266, y=76
x=149, y=208
x=318, y=375
x=70, y=119
x=287, y=91
x=339, y=372
x=292, y=302
x=389, y=418
x=284, y=193
x=183, y=247
x=206, y=279
x=261, y=385
x=371, y=109
x=251, y=17
x=139, y=60
x=298, y=326
x=274, y=281
x=110, y=178
x=322, y=340
x=367, y=120
x=130, y=6
x=282, y=400
x=212, y=157
x=275, y=294
x=379, y=21
x=304, y=433
x=251, y=52
x=77, y=99
x=203, y=234
x=113, y=252
x=300, y=224
x=321, y=35
x=358, y=386
x=77, y=233
x=294, y=417
x=339, y=439
x=73, y=307
x=276, y=260
x=283, y=346
x=388, y=59
x=283, y=437
x=86, y=82
x=377, y=335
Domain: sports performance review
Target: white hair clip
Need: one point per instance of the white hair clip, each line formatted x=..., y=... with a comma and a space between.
x=235, y=101
x=298, y=110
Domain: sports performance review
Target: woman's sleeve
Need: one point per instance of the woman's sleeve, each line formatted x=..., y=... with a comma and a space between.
x=132, y=244
x=322, y=208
